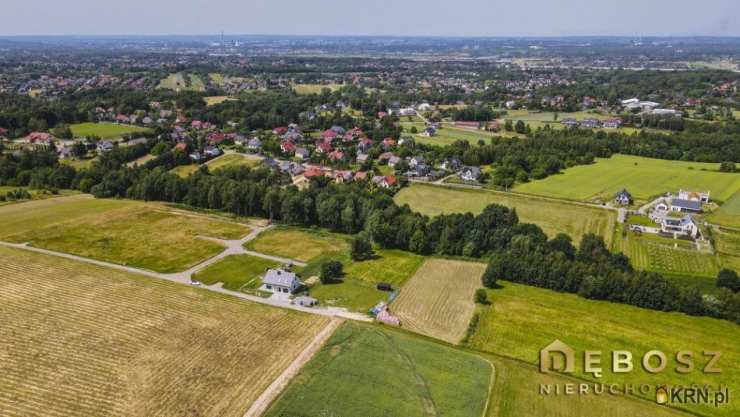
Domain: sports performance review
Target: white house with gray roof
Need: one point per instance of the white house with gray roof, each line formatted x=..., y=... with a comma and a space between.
x=280, y=281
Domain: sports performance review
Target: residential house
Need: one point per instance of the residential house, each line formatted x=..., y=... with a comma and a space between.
x=386, y=181
x=590, y=123
x=287, y=147
x=182, y=146
x=452, y=164
x=280, y=281
x=105, y=146
x=364, y=145
x=361, y=176
x=343, y=176
x=702, y=197
x=336, y=155
x=470, y=173
x=211, y=151
x=362, y=158
x=685, y=206
x=388, y=144
x=323, y=147
x=393, y=161
x=683, y=226
x=612, y=123
x=254, y=144
x=417, y=160
x=302, y=153
x=196, y=157
x=622, y=198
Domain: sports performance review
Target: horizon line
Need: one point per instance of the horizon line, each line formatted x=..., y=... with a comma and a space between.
x=140, y=35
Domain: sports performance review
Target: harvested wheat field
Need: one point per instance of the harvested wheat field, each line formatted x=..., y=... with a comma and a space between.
x=438, y=300
x=82, y=340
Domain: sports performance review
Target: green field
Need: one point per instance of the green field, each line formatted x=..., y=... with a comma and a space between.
x=105, y=130
x=522, y=320
x=301, y=245
x=367, y=371
x=515, y=394
x=450, y=134
x=729, y=213
x=650, y=252
x=178, y=82
x=552, y=216
x=184, y=170
x=213, y=100
x=644, y=178
x=357, y=290
x=727, y=244
x=233, y=160
x=143, y=235
x=304, y=89
x=236, y=272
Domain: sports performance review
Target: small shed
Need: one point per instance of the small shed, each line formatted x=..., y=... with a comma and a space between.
x=384, y=286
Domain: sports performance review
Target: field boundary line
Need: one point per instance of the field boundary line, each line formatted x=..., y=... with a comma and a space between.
x=491, y=382
x=269, y=395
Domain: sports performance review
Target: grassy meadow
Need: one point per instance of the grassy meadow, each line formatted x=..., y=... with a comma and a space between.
x=90, y=341
x=644, y=178
x=521, y=320
x=438, y=300
x=143, y=235
x=184, y=171
x=236, y=272
x=301, y=245
x=368, y=371
x=552, y=216
x=357, y=290
x=727, y=244
x=305, y=89
x=515, y=394
x=728, y=214
x=178, y=82
x=233, y=160
x=105, y=130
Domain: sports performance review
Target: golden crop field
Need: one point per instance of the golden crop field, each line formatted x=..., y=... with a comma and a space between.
x=438, y=300
x=82, y=340
x=144, y=235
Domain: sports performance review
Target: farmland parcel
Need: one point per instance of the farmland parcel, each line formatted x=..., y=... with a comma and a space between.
x=522, y=320
x=150, y=236
x=552, y=216
x=438, y=300
x=367, y=371
x=119, y=344
x=644, y=178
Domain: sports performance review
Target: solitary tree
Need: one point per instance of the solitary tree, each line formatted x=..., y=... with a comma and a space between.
x=727, y=278
x=481, y=297
x=362, y=249
x=330, y=272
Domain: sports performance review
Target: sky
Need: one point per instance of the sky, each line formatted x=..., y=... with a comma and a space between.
x=372, y=17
